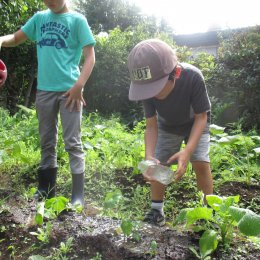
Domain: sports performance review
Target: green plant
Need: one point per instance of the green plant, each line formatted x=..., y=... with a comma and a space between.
x=43, y=234
x=153, y=248
x=239, y=157
x=98, y=256
x=113, y=206
x=50, y=208
x=61, y=252
x=218, y=222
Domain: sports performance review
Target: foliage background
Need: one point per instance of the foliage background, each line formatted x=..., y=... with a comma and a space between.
x=232, y=77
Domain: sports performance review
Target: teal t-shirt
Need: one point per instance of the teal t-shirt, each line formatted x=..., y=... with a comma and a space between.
x=60, y=39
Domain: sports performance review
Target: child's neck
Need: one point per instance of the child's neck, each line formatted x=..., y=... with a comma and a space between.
x=63, y=10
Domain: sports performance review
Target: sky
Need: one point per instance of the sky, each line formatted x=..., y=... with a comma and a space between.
x=191, y=16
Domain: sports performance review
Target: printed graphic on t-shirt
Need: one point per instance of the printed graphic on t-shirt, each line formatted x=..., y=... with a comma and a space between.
x=53, y=34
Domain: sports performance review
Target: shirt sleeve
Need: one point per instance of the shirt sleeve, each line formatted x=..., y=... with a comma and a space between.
x=30, y=27
x=149, y=108
x=199, y=100
x=84, y=33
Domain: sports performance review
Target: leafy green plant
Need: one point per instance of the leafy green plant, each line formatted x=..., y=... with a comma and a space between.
x=218, y=222
x=65, y=248
x=239, y=157
x=113, y=205
x=43, y=234
x=50, y=208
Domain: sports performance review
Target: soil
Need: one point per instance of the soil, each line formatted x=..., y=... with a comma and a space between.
x=97, y=237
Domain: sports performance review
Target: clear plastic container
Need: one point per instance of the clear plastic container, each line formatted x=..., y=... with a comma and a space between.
x=158, y=172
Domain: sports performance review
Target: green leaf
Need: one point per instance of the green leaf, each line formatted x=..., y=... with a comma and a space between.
x=199, y=213
x=215, y=129
x=237, y=213
x=182, y=216
x=17, y=150
x=214, y=201
x=56, y=204
x=228, y=202
x=127, y=227
x=40, y=213
x=193, y=250
x=250, y=224
x=208, y=242
x=112, y=199
x=221, y=203
x=248, y=221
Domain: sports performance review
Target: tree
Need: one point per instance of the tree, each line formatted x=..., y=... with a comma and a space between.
x=236, y=78
x=107, y=89
x=105, y=15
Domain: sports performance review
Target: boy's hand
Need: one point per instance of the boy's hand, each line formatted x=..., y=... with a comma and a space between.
x=75, y=98
x=183, y=158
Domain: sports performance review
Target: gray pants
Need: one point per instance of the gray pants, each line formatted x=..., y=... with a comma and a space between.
x=48, y=106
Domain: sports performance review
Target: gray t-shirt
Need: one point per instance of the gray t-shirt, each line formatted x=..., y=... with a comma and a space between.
x=189, y=96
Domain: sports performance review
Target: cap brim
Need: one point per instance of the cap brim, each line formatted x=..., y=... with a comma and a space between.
x=144, y=91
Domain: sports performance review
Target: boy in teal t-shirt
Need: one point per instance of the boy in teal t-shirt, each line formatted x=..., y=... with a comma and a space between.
x=61, y=37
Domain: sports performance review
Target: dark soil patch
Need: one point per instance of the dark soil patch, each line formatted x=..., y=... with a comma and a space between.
x=96, y=236
x=249, y=194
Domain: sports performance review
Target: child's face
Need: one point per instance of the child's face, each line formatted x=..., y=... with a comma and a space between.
x=56, y=6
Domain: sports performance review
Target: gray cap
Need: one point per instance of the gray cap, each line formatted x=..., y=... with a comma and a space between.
x=150, y=63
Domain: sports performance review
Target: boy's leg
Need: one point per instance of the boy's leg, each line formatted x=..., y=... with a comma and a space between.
x=204, y=177
x=47, y=108
x=167, y=145
x=47, y=113
x=201, y=165
x=71, y=128
x=71, y=125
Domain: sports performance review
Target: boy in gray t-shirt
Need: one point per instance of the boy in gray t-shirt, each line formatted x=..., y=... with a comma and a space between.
x=177, y=109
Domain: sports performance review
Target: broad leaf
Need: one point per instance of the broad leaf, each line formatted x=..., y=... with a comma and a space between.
x=127, y=227
x=237, y=213
x=198, y=213
x=214, y=201
x=56, y=204
x=208, y=243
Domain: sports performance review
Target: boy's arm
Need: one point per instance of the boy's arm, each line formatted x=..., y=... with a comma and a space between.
x=13, y=40
x=183, y=156
x=150, y=137
x=75, y=94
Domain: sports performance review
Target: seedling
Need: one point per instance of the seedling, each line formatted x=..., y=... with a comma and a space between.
x=44, y=233
x=153, y=248
x=65, y=248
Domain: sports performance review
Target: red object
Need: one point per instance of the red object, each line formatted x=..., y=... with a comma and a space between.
x=3, y=73
x=178, y=72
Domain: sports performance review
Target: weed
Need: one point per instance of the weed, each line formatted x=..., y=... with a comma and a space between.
x=61, y=252
x=43, y=234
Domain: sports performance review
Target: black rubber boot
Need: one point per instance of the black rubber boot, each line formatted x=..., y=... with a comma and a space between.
x=77, y=197
x=47, y=183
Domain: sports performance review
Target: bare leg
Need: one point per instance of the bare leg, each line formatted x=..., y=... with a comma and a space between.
x=157, y=191
x=204, y=177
